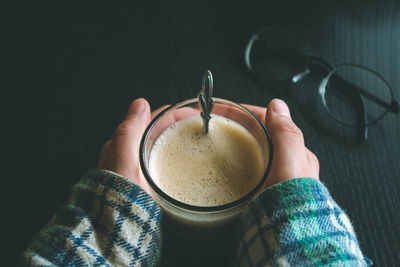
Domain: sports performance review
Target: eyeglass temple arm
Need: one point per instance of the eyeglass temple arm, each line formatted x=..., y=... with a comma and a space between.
x=392, y=107
x=364, y=125
x=341, y=84
x=363, y=117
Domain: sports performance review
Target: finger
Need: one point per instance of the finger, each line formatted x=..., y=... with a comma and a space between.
x=170, y=118
x=126, y=139
x=287, y=139
x=280, y=125
x=258, y=111
x=157, y=111
x=138, y=114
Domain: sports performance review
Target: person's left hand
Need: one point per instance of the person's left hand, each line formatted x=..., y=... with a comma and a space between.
x=121, y=153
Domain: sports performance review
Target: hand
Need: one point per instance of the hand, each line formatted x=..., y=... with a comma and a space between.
x=291, y=159
x=121, y=153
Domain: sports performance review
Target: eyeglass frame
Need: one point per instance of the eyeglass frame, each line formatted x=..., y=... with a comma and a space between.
x=319, y=65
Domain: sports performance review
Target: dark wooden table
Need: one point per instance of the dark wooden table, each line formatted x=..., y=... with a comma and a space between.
x=71, y=72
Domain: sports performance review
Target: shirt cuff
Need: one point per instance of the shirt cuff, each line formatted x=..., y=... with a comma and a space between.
x=296, y=222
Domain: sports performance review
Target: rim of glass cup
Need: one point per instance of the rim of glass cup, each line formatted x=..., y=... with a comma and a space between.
x=194, y=208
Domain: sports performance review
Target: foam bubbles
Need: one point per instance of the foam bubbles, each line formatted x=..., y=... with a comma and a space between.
x=206, y=170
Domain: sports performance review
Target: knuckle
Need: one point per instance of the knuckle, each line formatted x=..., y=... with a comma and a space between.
x=122, y=130
x=289, y=127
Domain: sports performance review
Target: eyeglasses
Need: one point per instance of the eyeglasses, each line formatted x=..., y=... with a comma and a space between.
x=352, y=94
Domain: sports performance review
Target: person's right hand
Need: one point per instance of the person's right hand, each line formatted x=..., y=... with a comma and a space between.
x=291, y=158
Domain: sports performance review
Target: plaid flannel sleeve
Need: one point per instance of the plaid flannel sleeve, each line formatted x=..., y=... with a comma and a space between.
x=108, y=221
x=297, y=223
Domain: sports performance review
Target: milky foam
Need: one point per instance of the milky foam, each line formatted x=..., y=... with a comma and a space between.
x=206, y=170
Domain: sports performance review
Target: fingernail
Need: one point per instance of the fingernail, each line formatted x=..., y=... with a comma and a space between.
x=280, y=107
x=138, y=106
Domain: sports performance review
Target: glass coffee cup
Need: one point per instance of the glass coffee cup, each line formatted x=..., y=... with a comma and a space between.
x=204, y=224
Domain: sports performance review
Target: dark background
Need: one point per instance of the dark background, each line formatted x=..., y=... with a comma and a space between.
x=71, y=71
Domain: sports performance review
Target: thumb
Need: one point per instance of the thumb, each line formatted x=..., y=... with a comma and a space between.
x=126, y=140
x=135, y=122
x=290, y=158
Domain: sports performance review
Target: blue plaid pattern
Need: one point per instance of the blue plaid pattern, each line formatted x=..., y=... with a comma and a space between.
x=297, y=223
x=108, y=221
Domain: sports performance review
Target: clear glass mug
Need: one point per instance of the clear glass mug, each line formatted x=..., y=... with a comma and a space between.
x=202, y=224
